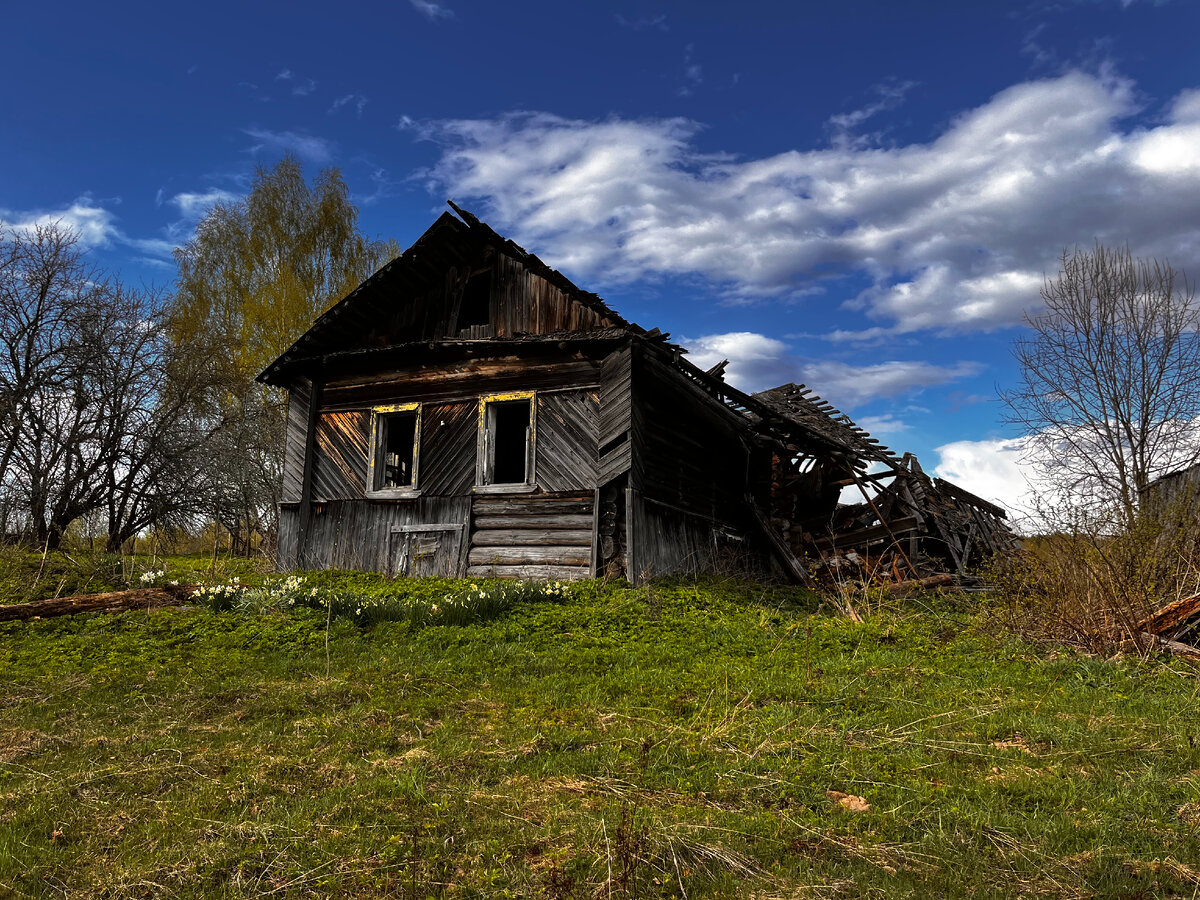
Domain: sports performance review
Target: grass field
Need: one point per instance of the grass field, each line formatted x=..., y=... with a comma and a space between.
x=692, y=739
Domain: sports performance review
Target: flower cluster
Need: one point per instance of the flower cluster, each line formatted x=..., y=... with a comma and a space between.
x=151, y=576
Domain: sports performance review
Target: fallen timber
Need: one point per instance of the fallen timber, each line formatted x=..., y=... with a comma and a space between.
x=111, y=602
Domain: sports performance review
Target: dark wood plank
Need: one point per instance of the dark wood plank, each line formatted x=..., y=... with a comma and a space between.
x=533, y=537
x=560, y=522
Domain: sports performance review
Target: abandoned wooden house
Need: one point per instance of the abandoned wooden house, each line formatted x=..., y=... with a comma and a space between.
x=467, y=410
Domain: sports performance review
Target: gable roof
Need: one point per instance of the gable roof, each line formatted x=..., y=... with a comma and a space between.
x=448, y=242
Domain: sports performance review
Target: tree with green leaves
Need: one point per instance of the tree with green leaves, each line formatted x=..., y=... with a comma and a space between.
x=252, y=279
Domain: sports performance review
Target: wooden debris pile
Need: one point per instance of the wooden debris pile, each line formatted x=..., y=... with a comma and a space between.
x=845, y=507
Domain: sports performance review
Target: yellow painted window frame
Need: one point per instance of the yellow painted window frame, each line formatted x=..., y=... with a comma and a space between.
x=483, y=450
x=408, y=490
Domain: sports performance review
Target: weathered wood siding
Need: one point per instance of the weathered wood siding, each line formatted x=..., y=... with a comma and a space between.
x=688, y=444
x=295, y=440
x=357, y=534
x=519, y=301
x=614, y=439
x=287, y=547
x=542, y=536
x=671, y=541
x=565, y=450
x=340, y=471
x=448, y=447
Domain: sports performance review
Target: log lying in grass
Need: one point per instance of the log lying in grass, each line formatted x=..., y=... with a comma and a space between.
x=114, y=601
x=1171, y=617
x=1146, y=641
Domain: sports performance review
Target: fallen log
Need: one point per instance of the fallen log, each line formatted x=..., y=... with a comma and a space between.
x=1171, y=617
x=1147, y=641
x=904, y=588
x=113, y=601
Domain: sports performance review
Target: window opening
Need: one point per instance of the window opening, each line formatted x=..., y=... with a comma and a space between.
x=509, y=427
x=395, y=435
x=475, y=306
x=398, y=433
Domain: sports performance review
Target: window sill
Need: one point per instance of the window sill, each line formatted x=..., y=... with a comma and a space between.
x=505, y=488
x=394, y=494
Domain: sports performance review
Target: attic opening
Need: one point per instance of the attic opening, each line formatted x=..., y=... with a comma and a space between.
x=474, y=308
x=507, y=440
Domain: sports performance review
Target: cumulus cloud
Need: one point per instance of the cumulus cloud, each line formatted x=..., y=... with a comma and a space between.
x=996, y=470
x=953, y=235
x=306, y=146
x=758, y=362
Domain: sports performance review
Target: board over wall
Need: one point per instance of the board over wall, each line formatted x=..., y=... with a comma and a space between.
x=673, y=541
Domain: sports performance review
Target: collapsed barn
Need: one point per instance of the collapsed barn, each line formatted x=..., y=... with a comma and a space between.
x=469, y=411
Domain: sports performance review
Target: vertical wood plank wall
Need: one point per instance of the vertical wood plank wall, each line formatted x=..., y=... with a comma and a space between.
x=685, y=509
x=295, y=439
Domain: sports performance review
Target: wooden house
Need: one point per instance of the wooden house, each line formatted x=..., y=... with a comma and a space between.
x=467, y=410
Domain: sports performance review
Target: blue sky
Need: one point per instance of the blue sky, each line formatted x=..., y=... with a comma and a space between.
x=861, y=196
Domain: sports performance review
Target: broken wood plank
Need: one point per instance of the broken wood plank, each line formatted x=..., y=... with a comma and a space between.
x=791, y=564
x=112, y=601
x=869, y=535
x=1171, y=617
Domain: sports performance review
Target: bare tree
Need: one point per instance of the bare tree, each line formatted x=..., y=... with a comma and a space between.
x=1110, y=378
x=89, y=419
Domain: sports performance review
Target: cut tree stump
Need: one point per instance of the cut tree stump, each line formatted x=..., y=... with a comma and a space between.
x=114, y=601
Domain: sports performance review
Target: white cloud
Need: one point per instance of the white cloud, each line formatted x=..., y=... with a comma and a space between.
x=306, y=146
x=881, y=426
x=192, y=206
x=95, y=225
x=843, y=126
x=758, y=362
x=432, y=11
x=954, y=235
x=995, y=470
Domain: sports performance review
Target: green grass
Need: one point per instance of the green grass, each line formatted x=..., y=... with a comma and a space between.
x=26, y=575
x=677, y=740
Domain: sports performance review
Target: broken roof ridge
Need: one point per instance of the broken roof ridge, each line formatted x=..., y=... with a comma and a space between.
x=785, y=399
